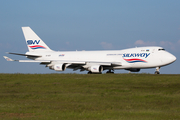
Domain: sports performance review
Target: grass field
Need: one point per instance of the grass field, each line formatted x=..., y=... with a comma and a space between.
x=89, y=97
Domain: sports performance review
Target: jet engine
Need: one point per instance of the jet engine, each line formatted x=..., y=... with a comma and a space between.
x=58, y=67
x=96, y=69
x=133, y=69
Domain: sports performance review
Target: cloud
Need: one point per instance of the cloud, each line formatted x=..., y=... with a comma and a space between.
x=143, y=43
x=106, y=45
x=167, y=44
x=67, y=43
x=178, y=42
x=171, y=45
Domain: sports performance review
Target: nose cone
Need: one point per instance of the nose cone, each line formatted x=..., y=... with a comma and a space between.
x=170, y=58
x=165, y=58
x=173, y=58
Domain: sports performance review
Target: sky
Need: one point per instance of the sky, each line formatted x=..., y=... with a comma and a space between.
x=69, y=25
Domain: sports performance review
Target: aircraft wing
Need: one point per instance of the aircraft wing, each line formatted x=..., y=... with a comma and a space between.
x=8, y=59
x=69, y=62
x=89, y=64
x=81, y=63
x=47, y=61
x=75, y=65
x=40, y=61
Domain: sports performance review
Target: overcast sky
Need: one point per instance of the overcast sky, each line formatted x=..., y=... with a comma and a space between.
x=67, y=25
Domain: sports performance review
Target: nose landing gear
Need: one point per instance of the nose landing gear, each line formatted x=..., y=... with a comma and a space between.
x=157, y=70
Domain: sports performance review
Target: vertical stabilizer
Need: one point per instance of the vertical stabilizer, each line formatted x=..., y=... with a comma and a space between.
x=33, y=41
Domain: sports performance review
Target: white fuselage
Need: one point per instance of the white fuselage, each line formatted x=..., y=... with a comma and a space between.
x=132, y=59
x=141, y=57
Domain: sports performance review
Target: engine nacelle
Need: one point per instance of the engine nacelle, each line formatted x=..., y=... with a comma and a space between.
x=134, y=69
x=58, y=67
x=96, y=68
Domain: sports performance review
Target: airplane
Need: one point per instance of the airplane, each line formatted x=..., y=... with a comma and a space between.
x=132, y=59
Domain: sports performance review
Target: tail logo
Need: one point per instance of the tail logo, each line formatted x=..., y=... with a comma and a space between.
x=37, y=47
x=31, y=42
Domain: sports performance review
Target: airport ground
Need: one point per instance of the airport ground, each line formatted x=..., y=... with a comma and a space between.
x=89, y=97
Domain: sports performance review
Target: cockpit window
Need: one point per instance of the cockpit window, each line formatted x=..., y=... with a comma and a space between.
x=161, y=49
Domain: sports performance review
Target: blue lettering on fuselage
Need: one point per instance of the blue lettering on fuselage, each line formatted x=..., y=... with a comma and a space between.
x=145, y=55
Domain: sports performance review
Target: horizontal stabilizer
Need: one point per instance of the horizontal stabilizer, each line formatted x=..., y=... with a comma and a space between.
x=25, y=54
x=38, y=61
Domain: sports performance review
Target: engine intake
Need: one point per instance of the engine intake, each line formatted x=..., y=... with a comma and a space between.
x=96, y=69
x=58, y=67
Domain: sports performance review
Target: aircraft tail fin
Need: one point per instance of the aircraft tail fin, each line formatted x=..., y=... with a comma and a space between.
x=33, y=41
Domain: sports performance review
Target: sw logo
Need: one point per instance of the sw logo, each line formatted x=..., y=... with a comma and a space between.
x=30, y=42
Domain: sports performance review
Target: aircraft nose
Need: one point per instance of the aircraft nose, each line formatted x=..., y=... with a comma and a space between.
x=167, y=58
x=171, y=58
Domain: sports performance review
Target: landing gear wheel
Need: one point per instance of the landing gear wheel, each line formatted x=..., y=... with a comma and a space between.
x=89, y=72
x=110, y=72
x=157, y=72
x=94, y=73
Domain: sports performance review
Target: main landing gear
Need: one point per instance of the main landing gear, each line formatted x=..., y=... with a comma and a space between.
x=94, y=73
x=110, y=71
x=157, y=70
x=89, y=72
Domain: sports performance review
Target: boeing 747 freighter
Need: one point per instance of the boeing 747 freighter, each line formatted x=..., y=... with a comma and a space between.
x=132, y=59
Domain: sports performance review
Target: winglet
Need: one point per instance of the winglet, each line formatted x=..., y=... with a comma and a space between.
x=8, y=59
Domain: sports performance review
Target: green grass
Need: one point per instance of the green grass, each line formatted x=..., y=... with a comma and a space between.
x=89, y=97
